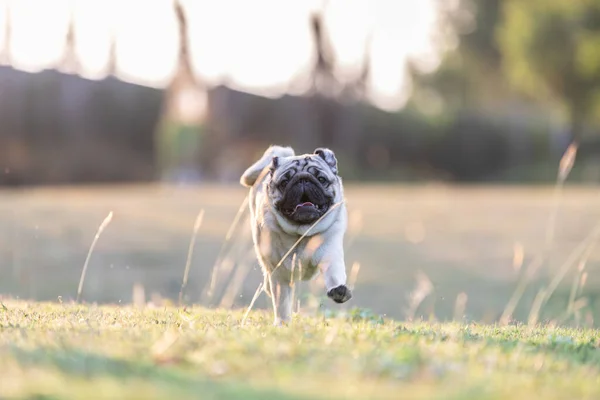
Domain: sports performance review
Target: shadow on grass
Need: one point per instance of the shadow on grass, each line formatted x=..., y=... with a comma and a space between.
x=77, y=363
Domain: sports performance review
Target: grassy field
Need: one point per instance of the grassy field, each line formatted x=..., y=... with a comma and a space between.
x=65, y=351
x=437, y=267
x=435, y=243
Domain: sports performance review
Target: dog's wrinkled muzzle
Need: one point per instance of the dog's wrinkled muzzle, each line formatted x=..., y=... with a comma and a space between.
x=304, y=199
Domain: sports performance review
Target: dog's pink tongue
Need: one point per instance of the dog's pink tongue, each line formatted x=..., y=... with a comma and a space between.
x=308, y=203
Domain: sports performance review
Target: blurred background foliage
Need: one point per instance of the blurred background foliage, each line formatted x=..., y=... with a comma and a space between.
x=517, y=83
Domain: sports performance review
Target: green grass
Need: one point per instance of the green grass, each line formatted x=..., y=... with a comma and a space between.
x=66, y=351
x=462, y=239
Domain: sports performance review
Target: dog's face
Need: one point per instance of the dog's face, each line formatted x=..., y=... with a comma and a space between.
x=303, y=188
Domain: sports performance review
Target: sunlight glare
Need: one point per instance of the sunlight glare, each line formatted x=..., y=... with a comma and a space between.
x=3, y=19
x=263, y=47
x=147, y=41
x=347, y=27
x=256, y=46
x=93, y=30
x=403, y=30
x=38, y=32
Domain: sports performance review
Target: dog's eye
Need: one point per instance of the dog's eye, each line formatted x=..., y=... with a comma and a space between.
x=284, y=183
x=322, y=180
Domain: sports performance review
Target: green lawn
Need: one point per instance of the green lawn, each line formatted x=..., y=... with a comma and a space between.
x=65, y=351
x=433, y=252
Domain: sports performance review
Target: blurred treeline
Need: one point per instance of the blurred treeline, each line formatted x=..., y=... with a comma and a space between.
x=520, y=83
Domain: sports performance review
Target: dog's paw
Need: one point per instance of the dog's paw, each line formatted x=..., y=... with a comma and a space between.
x=340, y=294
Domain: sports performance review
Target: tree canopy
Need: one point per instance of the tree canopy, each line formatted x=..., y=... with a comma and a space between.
x=551, y=52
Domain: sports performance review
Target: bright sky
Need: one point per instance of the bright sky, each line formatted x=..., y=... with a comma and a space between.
x=258, y=46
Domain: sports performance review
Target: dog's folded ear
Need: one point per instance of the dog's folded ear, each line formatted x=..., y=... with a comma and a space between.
x=329, y=158
x=274, y=164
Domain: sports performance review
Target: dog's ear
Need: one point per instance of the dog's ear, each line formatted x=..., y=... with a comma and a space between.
x=274, y=164
x=329, y=158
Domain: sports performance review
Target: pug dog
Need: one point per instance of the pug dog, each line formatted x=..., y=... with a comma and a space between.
x=298, y=221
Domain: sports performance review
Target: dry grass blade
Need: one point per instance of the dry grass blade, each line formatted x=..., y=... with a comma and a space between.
x=236, y=219
x=209, y=289
x=518, y=256
x=355, y=225
x=586, y=244
x=254, y=298
x=545, y=294
x=101, y=228
x=551, y=226
x=300, y=274
x=286, y=255
x=235, y=285
x=531, y=269
x=566, y=162
x=573, y=293
x=188, y=262
x=565, y=166
x=353, y=275
x=424, y=288
x=579, y=280
x=536, y=307
x=460, y=306
x=292, y=283
x=584, y=277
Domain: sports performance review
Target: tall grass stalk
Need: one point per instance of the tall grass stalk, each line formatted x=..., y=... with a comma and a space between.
x=292, y=283
x=460, y=306
x=254, y=298
x=188, y=262
x=528, y=274
x=353, y=276
x=286, y=255
x=235, y=285
x=564, y=169
x=578, y=280
x=545, y=294
x=415, y=298
x=101, y=228
x=208, y=291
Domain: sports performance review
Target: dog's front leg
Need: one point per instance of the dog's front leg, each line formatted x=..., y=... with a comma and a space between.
x=282, y=300
x=333, y=268
x=335, y=281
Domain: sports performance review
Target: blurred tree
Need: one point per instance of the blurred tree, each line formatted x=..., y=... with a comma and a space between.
x=180, y=132
x=324, y=82
x=327, y=91
x=551, y=52
x=470, y=74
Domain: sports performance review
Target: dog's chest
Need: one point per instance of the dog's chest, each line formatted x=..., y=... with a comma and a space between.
x=299, y=259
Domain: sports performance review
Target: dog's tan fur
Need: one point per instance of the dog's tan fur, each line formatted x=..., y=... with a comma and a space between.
x=321, y=248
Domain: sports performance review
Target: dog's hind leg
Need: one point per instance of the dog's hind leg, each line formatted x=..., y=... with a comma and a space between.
x=267, y=285
x=282, y=301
